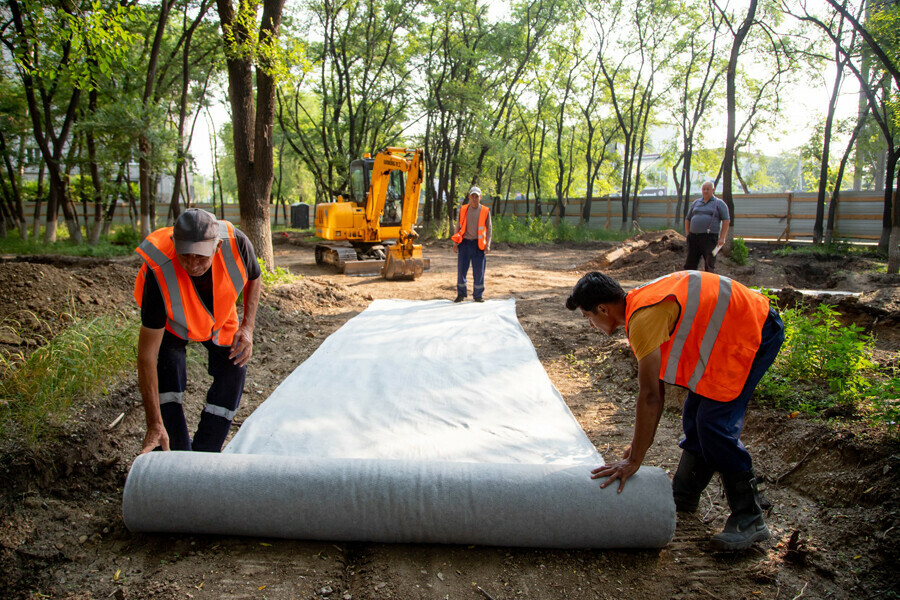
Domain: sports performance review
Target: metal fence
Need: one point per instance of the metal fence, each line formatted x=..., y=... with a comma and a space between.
x=782, y=217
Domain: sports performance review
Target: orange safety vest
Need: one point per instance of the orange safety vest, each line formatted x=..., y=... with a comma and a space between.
x=463, y=223
x=188, y=317
x=718, y=332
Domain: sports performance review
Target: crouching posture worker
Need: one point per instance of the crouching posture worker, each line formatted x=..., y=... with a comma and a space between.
x=714, y=337
x=187, y=288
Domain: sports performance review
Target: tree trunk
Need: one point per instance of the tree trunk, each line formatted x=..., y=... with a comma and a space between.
x=888, y=217
x=38, y=200
x=147, y=194
x=253, y=126
x=731, y=73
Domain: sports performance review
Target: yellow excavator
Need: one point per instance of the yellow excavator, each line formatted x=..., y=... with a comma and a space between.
x=376, y=223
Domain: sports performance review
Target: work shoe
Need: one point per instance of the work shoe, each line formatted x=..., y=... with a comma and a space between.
x=745, y=525
x=460, y=298
x=691, y=478
x=479, y=299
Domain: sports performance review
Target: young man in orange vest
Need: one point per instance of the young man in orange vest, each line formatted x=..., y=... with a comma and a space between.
x=187, y=288
x=714, y=337
x=472, y=241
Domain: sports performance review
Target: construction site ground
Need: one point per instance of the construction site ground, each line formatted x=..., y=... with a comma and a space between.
x=833, y=487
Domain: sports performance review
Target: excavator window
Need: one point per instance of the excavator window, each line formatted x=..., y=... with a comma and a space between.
x=393, y=202
x=358, y=184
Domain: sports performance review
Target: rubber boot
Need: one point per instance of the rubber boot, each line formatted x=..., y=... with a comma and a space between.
x=691, y=478
x=745, y=525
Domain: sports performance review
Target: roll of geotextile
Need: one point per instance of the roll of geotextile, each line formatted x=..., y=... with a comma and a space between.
x=422, y=422
x=396, y=501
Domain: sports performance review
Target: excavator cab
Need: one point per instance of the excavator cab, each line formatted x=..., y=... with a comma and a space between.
x=359, y=183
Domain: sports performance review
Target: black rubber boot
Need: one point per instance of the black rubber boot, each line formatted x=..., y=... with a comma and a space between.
x=691, y=478
x=745, y=526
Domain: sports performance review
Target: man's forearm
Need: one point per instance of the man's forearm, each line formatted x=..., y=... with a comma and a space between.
x=723, y=235
x=649, y=410
x=149, y=386
x=251, y=302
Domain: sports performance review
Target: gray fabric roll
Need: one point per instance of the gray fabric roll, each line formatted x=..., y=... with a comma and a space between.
x=494, y=504
x=414, y=422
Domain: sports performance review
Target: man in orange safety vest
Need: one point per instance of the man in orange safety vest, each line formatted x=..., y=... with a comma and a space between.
x=187, y=287
x=716, y=338
x=472, y=241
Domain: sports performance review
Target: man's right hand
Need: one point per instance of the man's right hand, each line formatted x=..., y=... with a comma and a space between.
x=456, y=248
x=156, y=438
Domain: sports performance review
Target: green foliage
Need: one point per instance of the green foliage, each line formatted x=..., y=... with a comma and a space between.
x=278, y=276
x=107, y=247
x=41, y=391
x=827, y=367
x=125, y=236
x=534, y=230
x=739, y=251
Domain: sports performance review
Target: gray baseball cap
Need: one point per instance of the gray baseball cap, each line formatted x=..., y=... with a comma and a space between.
x=196, y=232
x=474, y=190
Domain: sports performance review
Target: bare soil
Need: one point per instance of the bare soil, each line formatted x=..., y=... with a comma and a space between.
x=833, y=488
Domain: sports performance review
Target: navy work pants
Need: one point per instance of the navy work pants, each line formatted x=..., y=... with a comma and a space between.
x=222, y=398
x=712, y=429
x=470, y=253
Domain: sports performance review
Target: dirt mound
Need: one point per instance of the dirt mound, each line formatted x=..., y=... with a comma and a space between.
x=311, y=295
x=644, y=256
x=39, y=296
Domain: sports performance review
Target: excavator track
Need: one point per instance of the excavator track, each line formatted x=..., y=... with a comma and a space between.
x=345, y=259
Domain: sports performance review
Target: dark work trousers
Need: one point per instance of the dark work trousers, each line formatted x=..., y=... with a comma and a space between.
x=701, y=244
x=469, y=252
x=712, y=429
x=222, y=399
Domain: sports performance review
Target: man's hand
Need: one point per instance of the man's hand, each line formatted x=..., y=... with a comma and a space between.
x=455, y=248
x=241, y=346
x=621, y=470
x=156, y=437
x=487, y=249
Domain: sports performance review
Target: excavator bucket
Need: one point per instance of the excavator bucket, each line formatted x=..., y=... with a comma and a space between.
x=397, y=266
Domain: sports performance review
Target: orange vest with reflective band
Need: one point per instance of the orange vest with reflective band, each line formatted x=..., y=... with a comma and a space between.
x=718, y=332
x=187, y=316
x=463, y=223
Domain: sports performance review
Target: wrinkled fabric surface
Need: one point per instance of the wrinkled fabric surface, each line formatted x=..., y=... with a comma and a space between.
x=414, y=422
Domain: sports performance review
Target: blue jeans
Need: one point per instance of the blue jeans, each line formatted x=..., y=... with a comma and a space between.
x=469, y=252
x=712, y=429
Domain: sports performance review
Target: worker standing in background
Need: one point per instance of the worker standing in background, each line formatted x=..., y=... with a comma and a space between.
x=706, y=228
x=472, y=242
x=187, y=288
x=715, y=337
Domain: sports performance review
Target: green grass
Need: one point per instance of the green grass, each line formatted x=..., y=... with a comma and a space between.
x=121, y=241
x=41, y=391
x=534, y=230
x=278, y=276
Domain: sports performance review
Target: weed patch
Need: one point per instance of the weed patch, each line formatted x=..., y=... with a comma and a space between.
x=41, y=391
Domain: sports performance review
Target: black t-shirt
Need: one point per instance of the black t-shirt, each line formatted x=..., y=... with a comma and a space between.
x=153, y=307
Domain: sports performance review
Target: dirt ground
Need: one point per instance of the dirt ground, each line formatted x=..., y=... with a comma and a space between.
x=835, y=508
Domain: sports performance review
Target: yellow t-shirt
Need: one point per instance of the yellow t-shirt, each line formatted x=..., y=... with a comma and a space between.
x=651, y=326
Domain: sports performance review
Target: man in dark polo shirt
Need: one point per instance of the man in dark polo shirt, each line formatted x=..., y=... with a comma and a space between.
x=187, y=287
x=706, y=229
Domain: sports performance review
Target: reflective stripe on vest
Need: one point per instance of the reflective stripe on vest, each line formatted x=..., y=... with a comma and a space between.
x=187, y=316
x=717, y=334
x=464, y=224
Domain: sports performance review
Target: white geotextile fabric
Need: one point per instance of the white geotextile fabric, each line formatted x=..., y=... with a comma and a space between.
x=414, y=422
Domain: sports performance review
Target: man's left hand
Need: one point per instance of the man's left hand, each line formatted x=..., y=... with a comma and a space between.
x=241, y=347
